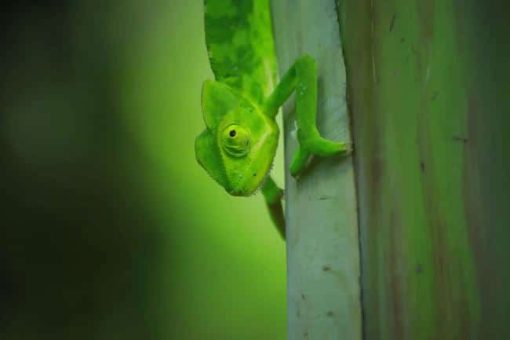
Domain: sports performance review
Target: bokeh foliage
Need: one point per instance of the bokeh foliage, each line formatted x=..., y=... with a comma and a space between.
x=109, y=228
x=428, y=83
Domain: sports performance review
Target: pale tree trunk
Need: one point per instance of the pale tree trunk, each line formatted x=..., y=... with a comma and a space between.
x=322, y=233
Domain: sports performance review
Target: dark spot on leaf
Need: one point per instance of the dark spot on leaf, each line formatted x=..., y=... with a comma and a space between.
x=326, y=268
x=460, y=139
x=419, y=268
x=422, y=166
x=325, y=198
x=232, y=133
x=303, y=296
x=330, y=314
x=392, y=23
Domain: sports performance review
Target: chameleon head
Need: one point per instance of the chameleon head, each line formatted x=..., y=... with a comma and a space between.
x=238, y=145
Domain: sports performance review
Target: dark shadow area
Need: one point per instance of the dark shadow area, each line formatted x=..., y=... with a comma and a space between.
x=75, y=251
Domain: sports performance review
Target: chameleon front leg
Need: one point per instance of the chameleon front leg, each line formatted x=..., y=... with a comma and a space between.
x=302, y=78
x=273, y=196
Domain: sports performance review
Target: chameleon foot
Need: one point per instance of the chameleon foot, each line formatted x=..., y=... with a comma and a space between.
x=317, y=146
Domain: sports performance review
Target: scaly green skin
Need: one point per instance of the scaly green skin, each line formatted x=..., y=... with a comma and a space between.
x=239, y=143
x=239, y=40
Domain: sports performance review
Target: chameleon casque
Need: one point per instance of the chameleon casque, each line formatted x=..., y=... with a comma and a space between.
x=239, y=107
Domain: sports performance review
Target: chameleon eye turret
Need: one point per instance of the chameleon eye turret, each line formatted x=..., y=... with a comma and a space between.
x=235, y=140
x=239, y=142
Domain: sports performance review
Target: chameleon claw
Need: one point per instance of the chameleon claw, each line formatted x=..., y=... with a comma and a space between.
x=317, y=146
x=323, y=147
x=299, y=161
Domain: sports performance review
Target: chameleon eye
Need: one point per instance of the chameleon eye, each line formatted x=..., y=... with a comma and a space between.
x=235, y=140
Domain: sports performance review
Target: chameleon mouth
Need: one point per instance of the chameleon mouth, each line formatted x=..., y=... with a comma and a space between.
x=235, y=192
x=243, y=191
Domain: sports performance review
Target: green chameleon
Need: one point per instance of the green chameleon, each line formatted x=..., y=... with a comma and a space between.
x=239, y=107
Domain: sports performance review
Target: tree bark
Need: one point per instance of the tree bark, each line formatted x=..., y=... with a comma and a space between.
x=322, y=233
x=430, y=100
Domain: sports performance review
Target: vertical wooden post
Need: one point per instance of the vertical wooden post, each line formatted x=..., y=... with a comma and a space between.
x=322, y=233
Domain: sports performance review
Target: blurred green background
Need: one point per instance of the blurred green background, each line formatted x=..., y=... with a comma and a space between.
x=109, y=228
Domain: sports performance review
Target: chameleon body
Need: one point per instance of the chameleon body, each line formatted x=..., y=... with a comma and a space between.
x=239, y=143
